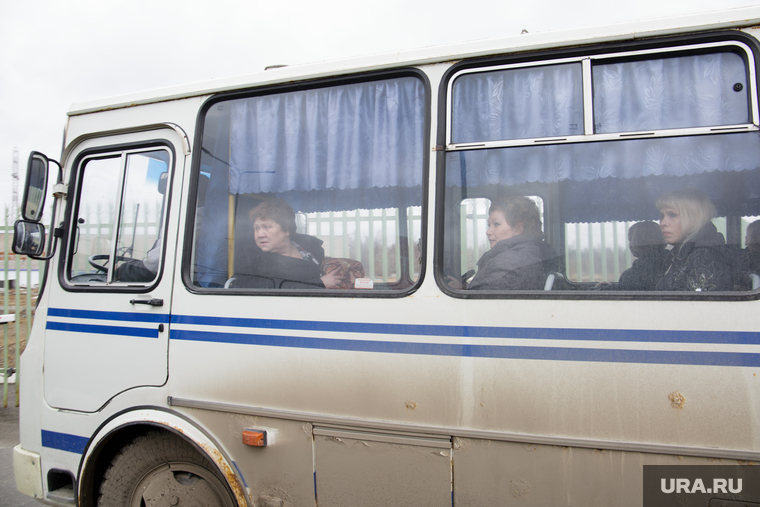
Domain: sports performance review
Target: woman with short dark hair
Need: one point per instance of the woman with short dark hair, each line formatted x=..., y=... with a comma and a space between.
x=287, y=259
x=514, y=261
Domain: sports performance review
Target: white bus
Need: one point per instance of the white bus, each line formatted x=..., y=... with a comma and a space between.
x=260, y=290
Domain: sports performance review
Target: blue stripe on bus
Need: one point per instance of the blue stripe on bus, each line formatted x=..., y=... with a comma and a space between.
x=240, y=474
x=614, y=335
x=159, y=318
x=113, y=330
x=64, y=441
x=482, y=351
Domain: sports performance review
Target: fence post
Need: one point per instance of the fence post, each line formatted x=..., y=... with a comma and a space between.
x=17, y=312
x=592, y=275
x=358, y=236
x=616, y=250
x=578, y=253
x=371, y=245
x=464, y=260
x=5, y=310
x=344, y=228
x=603, y=239
x=384, y=258
x=410, y=242
x=397, y=258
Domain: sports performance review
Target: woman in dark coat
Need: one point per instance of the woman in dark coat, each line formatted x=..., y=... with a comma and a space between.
x=699, y=259
x=286, y=259
x=648, y=246
x=514, y=261
x=751, y=254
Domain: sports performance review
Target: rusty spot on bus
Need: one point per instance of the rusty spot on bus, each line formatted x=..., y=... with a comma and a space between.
x=228, y=473
x=677, y=400
x=410, y=405
x=519, y=488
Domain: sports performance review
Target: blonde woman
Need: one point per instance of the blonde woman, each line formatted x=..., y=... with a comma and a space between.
x=698, y=260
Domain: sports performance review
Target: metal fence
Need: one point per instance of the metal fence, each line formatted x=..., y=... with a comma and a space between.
x=373, y=237
x=592, y=252
x=20, y=281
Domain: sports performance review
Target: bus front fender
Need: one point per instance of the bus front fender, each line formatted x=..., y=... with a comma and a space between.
x=163, y=419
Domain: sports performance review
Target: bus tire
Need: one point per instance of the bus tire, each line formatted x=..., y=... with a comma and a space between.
x=159, y=468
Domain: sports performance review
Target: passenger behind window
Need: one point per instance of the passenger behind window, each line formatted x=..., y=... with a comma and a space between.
x=286, y=259
x=699, y=259
x=648, y=246
x=751, y=253
x=518, y=254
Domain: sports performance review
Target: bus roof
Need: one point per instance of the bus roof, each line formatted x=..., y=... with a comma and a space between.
x=674, y=25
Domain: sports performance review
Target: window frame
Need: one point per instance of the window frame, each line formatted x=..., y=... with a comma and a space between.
x=311, y=84
x=587, y=61
x=665, y=46
x=70, y=236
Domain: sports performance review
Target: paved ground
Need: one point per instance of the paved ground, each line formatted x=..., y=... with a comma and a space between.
x=9, y=497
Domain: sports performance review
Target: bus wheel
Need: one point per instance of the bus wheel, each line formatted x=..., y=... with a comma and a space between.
x=160, y=469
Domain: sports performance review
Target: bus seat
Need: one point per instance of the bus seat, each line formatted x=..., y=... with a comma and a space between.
x=550, y=281
x=229, y=281
x=755, y=280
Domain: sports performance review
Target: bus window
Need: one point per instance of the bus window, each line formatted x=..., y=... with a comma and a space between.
x=119, y=218
x=605, y=138
x=333, y=174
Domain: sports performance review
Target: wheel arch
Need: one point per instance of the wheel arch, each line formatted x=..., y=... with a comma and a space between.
x=120, y=430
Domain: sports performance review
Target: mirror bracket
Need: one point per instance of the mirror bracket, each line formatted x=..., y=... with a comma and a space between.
x=60, y=190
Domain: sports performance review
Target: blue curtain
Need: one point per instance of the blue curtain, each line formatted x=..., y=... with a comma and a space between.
x=520, y=103
x=351, y=137
x=674, y=156
x=545, y=101
x=346, y=147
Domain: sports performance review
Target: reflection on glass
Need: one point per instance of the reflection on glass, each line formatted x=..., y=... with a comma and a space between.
x=140, y=225
x=594, y=193
x=119, y=217
x=35, y=189
x=29, y=238
x=96, y=213
x=347, y=159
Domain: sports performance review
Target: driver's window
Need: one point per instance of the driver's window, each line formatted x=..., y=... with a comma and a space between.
x=119, y=218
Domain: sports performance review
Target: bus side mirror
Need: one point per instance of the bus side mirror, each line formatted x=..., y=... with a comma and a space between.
x=28, y=238
x=35, y=188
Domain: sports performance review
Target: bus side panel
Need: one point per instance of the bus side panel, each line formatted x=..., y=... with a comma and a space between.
x=366, y=471
x=490, y=472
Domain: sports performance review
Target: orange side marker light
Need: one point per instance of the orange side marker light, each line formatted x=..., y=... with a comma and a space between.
x=255, y=438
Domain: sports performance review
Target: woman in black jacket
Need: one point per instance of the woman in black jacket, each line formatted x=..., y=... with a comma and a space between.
x=648, y=246
x=699, y=259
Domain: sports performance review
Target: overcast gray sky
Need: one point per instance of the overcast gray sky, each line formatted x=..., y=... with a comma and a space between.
x=54, y=53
